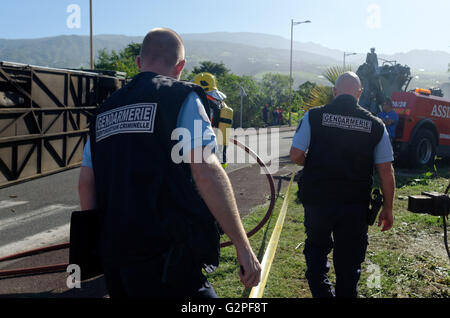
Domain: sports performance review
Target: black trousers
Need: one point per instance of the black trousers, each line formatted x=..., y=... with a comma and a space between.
x=143, y=280
x=344, y=229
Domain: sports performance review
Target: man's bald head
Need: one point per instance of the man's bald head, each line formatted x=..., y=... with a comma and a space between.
x=348, y=84
x=163, y=47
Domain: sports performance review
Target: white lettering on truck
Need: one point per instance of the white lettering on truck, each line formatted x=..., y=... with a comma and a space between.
x=397, y=104
x=441, y=111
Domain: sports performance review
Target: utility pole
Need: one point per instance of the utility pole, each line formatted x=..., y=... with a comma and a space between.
x=91, y=37
x=290, y=72
x=242, y=94
x=345, y=56
x=290, y=77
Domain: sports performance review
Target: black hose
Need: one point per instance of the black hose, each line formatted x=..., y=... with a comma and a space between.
x=445, y=228
x=446, y=237
x=273, y=197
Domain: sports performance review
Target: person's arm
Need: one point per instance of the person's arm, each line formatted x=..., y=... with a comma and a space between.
x=387, y=180
x=86, y=189
x=389, y=122
x=298, y=156
x=215, y=187
x=216, y=190
x=396, y=119
x=86, y=183
x=392, y=121
x=384, y=156
x=301, y=142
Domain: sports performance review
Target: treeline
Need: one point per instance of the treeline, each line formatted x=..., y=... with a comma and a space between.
x=271, y=90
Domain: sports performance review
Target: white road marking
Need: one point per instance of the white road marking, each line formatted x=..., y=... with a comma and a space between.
x=10, y=204
x=36, y=214
x=43, y=239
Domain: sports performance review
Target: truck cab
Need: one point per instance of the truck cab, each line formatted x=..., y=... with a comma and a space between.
x=423, y=131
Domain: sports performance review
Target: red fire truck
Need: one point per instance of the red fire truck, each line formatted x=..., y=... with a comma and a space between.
x=423, y=131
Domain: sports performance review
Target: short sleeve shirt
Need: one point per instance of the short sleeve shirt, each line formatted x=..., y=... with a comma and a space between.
x=302, y=140
x=192, y=112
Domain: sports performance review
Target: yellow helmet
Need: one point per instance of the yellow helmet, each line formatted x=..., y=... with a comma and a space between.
x=207, y=81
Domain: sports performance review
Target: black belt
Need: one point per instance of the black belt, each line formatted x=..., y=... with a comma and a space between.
x=226, y=121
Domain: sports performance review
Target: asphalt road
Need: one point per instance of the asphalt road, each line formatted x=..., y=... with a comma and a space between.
x=37, y=213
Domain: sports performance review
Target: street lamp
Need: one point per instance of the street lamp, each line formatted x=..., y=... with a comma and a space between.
x=290, y=77
x=92, y=36
x=242, y=95
x=348, y=54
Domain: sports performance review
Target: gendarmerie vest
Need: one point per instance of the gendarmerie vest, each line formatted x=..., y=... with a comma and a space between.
x=340, y=162
x=147, y=202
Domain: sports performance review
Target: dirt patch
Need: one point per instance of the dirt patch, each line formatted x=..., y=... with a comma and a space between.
x=252, y=189
x=429, y=244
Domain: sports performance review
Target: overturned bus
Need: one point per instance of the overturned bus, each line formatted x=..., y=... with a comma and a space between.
x=44, y=117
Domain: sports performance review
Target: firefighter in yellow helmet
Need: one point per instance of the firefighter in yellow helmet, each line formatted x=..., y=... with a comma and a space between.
x=222, y=115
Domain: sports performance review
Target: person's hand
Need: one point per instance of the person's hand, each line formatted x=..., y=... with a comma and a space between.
x=250, y=272
x=386, y=219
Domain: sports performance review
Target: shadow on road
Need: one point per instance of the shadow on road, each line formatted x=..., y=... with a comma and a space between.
x=95, y=288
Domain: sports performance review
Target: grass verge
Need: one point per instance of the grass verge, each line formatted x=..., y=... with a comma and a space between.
x=410, y=261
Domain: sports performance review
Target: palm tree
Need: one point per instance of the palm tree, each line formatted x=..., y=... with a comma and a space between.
x=322, y=95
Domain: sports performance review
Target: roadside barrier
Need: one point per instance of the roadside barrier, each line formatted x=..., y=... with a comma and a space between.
x=258, y=292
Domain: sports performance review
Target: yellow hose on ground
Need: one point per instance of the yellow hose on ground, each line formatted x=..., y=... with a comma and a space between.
x=266, y=265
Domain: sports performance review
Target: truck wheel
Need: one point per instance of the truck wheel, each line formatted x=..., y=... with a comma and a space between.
x=423, y=150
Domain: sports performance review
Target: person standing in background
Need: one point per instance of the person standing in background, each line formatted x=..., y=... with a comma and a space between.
x=390, y=118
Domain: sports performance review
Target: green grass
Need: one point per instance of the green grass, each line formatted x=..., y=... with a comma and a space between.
x=411, y=258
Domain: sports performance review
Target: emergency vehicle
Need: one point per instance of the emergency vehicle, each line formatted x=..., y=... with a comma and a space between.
x=423, y=131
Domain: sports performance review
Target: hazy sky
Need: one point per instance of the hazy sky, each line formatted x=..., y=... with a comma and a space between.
x=351, y=25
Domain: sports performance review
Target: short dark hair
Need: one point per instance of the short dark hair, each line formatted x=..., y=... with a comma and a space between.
x=388, y=101
x=164, y=45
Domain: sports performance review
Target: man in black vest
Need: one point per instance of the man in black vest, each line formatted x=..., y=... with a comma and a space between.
x=339, y=145
x=158, y=213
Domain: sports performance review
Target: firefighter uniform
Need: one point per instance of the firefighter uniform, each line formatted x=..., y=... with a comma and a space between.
x=344, y=144
x=156, y=231
x=221, y=114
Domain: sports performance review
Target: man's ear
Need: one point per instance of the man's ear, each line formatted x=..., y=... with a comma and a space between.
x=179, y=68
x=139, y=62
x=360, y=93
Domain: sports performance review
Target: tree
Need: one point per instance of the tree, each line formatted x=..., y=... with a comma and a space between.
x=322, y=95
x=253, y=104
x=217, y=69
x=187, y=76
x=301, y=95
x=276, y=89
x=305, y=89
x=124, y=61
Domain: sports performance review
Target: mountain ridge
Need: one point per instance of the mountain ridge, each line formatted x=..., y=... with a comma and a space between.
x=244, y=53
